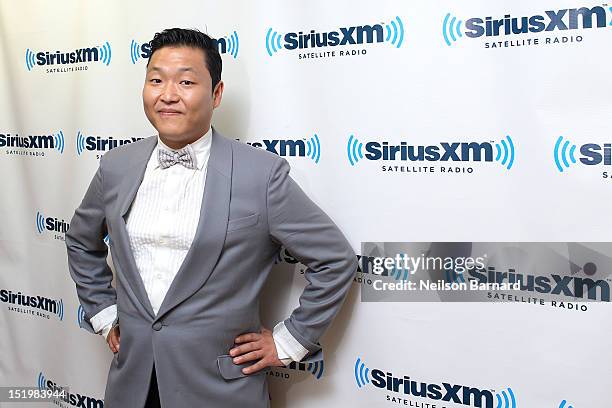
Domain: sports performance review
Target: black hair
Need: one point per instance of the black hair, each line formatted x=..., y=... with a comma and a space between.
x=173, y=37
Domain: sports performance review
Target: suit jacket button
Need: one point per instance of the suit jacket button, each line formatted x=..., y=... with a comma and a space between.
x=157, y=326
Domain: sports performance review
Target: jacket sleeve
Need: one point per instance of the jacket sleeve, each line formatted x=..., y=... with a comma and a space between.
x=312, y=238
x=87, y=253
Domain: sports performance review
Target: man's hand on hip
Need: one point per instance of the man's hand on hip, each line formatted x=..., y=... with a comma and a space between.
x=113, y=339
x=256, y=346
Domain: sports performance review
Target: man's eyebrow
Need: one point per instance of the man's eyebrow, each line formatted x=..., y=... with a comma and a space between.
x=182, y=69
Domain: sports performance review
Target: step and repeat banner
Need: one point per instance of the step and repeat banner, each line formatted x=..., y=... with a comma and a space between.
x=469, y=141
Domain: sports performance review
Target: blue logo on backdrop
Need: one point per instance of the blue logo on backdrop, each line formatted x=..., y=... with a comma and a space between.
x=58, y=227
x=391, y=32
x=451, y=29
x=443, y=391
x=563, y=405
x=316, y=368
x=32, y=145
x=566, y=154
x=310, y=148
x=563, y=21
x=452, y=276
x=100, y=144
x=138, y=51
x=559, y=284
x=502, y=152
x=39, y=305
x=80, y=315
x=61, y=393
x=69, y=60
x=230, y=44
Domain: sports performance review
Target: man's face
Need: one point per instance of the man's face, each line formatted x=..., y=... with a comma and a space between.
x=177, y=95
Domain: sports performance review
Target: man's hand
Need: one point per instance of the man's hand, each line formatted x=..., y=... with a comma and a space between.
x=113, y=339
x=256, y=346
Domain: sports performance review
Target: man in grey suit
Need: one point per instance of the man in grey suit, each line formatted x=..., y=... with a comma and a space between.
x=195, y=221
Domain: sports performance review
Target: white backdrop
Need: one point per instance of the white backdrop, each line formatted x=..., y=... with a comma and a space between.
x=427, y=81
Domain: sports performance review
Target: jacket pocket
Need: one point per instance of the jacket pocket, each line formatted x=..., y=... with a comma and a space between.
x=231, y=371
x=243, y=222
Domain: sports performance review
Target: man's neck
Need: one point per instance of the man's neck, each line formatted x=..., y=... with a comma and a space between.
x=179, y=145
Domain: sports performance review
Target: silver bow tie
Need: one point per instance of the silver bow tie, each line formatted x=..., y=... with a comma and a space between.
x=169, y=158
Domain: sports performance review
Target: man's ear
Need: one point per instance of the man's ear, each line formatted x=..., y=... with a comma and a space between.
x=218, y=94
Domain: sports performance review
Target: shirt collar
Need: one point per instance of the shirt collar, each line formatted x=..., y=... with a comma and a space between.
x=200, y=148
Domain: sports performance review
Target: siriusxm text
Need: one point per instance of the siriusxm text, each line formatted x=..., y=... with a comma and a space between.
x=31, y=142
x=38, y=302
x=71, y=57
x=76, y=400
x=282, y=147
x=445, y=151
x=550, y=20
x=447, y=392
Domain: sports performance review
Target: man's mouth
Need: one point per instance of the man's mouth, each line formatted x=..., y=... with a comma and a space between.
x=168, y=112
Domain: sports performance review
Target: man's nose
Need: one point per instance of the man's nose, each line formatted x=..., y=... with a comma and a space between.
x=169, y=93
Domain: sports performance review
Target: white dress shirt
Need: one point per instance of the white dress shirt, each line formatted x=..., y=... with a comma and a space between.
x=161, y=226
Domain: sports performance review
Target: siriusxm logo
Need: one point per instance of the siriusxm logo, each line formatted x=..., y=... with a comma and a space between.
x=316, y=368
x=310, y=148
x=138, y=51
x=101, y=54
x=554, y=284
x=564, y=405
x=591, y=154
x=100, y=144
x=39, y=303
x=447, y=392
x=76, y=400
x=502, y=151
x=80, y=315
x=50, y=224
x=229, y=44
x=53, y=141
x=391, y=32
x=453, y=28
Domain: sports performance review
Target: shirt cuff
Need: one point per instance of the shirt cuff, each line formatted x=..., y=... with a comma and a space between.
x=287, y=347
x=103, y=321
x=283, y=356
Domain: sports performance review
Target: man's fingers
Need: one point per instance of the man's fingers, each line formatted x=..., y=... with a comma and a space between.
x=111, y=346
x=117, y=337
x=244, y=348
x=114, y=339
x=253, y=355
x=244, y=338
x=261, y=364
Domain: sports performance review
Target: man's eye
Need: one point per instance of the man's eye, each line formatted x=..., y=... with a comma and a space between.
x=155, y=80
x=186, y=82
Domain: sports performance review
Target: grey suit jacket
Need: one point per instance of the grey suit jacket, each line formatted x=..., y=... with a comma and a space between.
x=250, y=208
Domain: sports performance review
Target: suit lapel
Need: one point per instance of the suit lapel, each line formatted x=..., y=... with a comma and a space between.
x=210, y=232
x=127, y=192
